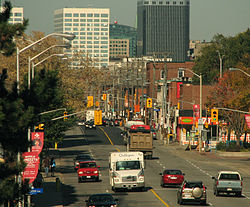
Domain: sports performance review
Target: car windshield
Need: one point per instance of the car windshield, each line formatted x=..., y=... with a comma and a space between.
x=229, y=177
x=128, y=165
x=172, y=172
x=101, y=198
x=83, y=157
x=87, y=164
x=193, y=185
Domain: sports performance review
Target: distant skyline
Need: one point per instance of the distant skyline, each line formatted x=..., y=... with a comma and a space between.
x=207, y=17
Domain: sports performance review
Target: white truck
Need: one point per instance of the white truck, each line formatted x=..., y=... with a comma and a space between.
x=126, y=170
x=90, y=115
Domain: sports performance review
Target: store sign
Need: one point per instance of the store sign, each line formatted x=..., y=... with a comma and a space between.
x=37, y=139
x=194, y=120
x=32, y=160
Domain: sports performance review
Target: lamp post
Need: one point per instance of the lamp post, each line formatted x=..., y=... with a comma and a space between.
x=200, y=77
x=36, y=56
x=234, y=69
x=221, y=58
x=18, y=51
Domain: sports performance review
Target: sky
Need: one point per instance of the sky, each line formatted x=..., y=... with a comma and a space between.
x=207, y=17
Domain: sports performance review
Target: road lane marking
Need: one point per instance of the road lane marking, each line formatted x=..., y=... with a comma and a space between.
x=119, y=151
x=159, y=197
x=199, y=168
x=109, y=138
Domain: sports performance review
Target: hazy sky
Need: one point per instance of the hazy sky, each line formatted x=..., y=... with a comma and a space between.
x=207, y=17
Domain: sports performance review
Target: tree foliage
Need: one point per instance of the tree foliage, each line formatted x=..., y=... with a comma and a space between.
x=9, y=31
x=233, y=50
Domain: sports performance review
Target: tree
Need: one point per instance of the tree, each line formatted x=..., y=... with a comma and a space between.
x=8, y=32
x=233, y=49
x=232, y=92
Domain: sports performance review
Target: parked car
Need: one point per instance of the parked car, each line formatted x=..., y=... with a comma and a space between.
x=81, y=157
x=171, y=177
x=192, y=191
x=104, y=199
x=228, y=182
x=87, y=171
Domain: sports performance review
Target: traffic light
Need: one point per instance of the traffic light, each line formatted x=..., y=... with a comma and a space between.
x=41, y=127
x=208, y=111
x=214, y=115
x=90, y=101
x=104, y=96
x=149, y=102
x=65, y=115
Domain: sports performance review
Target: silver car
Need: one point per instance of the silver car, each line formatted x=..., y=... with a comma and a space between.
x=192, y=191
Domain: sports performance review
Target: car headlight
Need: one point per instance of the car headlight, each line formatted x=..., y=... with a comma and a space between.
x=95, y=171
x=117, y=179
x=113, y=206
x=80, y=173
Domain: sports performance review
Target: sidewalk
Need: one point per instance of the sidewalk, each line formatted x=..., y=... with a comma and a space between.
x=52, y=195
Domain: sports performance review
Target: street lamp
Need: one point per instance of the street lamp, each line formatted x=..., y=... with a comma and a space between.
x=64, y=35
x=31, y=59
x=58, y=55
x=200, y=77
x=234, y=69
x=221, y=58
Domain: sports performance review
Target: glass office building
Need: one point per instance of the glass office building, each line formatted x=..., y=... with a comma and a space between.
x=118, y=31
x=16, y=15
x=163, y=27
x=91, y=27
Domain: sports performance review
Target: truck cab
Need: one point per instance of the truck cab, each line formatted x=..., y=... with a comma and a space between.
x=88, y=171
x=126, y=170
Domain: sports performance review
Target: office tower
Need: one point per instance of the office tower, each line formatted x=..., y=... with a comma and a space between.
x=163, y=26
x=91, y=27
x=16, y=15
x=123, y=35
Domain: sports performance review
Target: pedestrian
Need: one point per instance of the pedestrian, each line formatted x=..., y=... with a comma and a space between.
x=52, y=166
x=46, y=166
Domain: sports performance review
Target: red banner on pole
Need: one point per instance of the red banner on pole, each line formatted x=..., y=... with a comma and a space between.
x=37, y=142
x=196, y=109
x=247, y=118
x=32, y=160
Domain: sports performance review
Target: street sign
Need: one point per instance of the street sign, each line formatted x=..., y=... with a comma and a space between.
x=35, y=191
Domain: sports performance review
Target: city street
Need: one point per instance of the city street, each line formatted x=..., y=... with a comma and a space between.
x=103, y=140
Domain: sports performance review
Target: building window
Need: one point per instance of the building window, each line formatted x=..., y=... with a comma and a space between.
x=82, y=20
x=89, y=15
x=89, y=20
x=18, y=19
x=68, y=24
x=174, y=2
x=167, y=2
x=82, y=15
x=75, y=29
x=75, y=20
x=181, y=72
x=96, y=15
x=18, y=14
x=68, y=15
x=75, y=15
x=104, y=15
x=68, y=20
x=146, y=2
x=96, y=20
x=76, y=24
x=160, y=2
x=153, y=2
x=181, y=2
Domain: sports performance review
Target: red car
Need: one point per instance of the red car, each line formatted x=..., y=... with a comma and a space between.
x=88, y=170
x=171, y=177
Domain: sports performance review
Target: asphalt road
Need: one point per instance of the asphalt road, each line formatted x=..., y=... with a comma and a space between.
x=100, y=142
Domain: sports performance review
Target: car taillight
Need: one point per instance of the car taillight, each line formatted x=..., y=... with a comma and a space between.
x=204, y=189
x=217, y=183
x=241, y=183
x=183, y=188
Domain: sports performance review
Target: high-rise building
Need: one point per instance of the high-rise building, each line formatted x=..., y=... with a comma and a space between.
x=16, y=15
x=119, y=31
x=91, y=27
x=163, y=27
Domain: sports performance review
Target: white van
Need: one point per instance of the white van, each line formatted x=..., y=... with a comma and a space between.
x=126, y=170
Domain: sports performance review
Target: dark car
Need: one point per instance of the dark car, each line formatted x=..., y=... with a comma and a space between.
x=172, y=177
x=192, y=191
x=117, y=122
x=90, y=124
x=79, y=158
x=101, y=200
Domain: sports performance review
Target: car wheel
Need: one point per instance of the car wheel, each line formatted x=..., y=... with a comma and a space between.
x=204, y=202
x=238, y=194
x=97, y=179
x=79, y=180
x=216, y=192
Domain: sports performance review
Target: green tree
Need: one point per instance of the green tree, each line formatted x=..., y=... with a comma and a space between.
x=233, y=49
x=8, y=32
